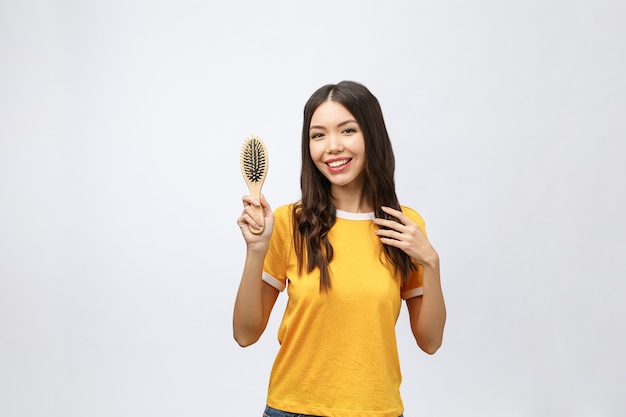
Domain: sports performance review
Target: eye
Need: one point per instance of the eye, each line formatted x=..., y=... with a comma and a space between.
x=317, y=135
x=349, y=130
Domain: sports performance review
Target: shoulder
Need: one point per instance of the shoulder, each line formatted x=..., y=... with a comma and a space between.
x=283, y=216
x=414, y=216
x=284, y=211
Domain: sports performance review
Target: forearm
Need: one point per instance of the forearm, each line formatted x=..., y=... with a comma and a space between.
x=248, y=316
x=429, y=324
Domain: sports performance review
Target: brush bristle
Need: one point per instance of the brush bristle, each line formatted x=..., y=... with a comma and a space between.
x=253, y=159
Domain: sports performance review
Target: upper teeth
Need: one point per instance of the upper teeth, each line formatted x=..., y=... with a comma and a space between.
x=335, y=164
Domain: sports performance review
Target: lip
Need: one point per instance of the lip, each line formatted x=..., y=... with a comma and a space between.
x=339, y=168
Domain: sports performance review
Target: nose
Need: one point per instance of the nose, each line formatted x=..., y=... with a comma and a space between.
x=335, y=144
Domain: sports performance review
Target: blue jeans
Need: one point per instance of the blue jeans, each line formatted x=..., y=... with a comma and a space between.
x=272, y=412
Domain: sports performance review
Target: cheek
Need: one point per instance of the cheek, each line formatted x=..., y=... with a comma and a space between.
x=363, y=149
x=358, y=146
x=314, y=152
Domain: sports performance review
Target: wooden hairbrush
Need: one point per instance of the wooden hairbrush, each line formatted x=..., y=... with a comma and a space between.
x=254, y=162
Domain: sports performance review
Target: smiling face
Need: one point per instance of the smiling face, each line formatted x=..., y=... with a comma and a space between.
x=337, y=146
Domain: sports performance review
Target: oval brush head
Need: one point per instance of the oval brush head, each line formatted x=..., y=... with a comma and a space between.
x=254, y=162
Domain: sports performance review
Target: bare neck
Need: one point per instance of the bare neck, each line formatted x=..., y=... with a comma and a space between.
x=352, y=200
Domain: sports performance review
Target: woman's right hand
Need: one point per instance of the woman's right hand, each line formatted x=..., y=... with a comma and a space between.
x=255, y=298
x=247, y=220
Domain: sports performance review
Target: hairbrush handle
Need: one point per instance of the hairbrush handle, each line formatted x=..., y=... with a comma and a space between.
x=259, y=214
x=254, y=163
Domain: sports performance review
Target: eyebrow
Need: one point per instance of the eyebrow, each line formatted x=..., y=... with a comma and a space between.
x=339, y=125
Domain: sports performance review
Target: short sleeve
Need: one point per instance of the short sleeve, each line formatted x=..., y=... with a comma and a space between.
x=414, y=287
x=277, y=257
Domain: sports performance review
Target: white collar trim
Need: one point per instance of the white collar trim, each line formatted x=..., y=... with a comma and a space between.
x=354, y=216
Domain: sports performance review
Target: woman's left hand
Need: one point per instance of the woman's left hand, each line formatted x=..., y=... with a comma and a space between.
x=405, y=235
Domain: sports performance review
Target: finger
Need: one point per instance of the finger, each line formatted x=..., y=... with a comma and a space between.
x=245, y=222
x=396, y=213
x=390, y=224
x=266, y=206
x=392, y=242
x=241, y=221
x=389, y=233
x=248, y=200
x=257, y=215
x=252, y=212
x=245, y=219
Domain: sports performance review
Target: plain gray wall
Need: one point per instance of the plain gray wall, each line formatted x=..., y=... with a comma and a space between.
x=120, y=129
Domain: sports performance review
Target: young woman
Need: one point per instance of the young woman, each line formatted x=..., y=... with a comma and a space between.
x=347, y=253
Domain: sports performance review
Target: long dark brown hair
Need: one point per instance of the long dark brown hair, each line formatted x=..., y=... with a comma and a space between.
x=315, y=214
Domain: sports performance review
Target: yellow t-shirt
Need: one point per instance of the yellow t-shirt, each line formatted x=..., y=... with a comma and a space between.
x=338, y=355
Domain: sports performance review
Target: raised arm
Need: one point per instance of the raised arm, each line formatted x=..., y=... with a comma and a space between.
x=255, y=299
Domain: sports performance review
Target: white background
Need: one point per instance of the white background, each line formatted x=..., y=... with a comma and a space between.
x=120, y=129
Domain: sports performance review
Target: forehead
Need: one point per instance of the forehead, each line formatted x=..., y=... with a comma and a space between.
x=330, y=113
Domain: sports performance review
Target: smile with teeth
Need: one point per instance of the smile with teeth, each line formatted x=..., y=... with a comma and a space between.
x=337, y=164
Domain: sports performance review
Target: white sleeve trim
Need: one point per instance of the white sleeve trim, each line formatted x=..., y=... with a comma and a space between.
x=268, y=279
x=414, y=292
